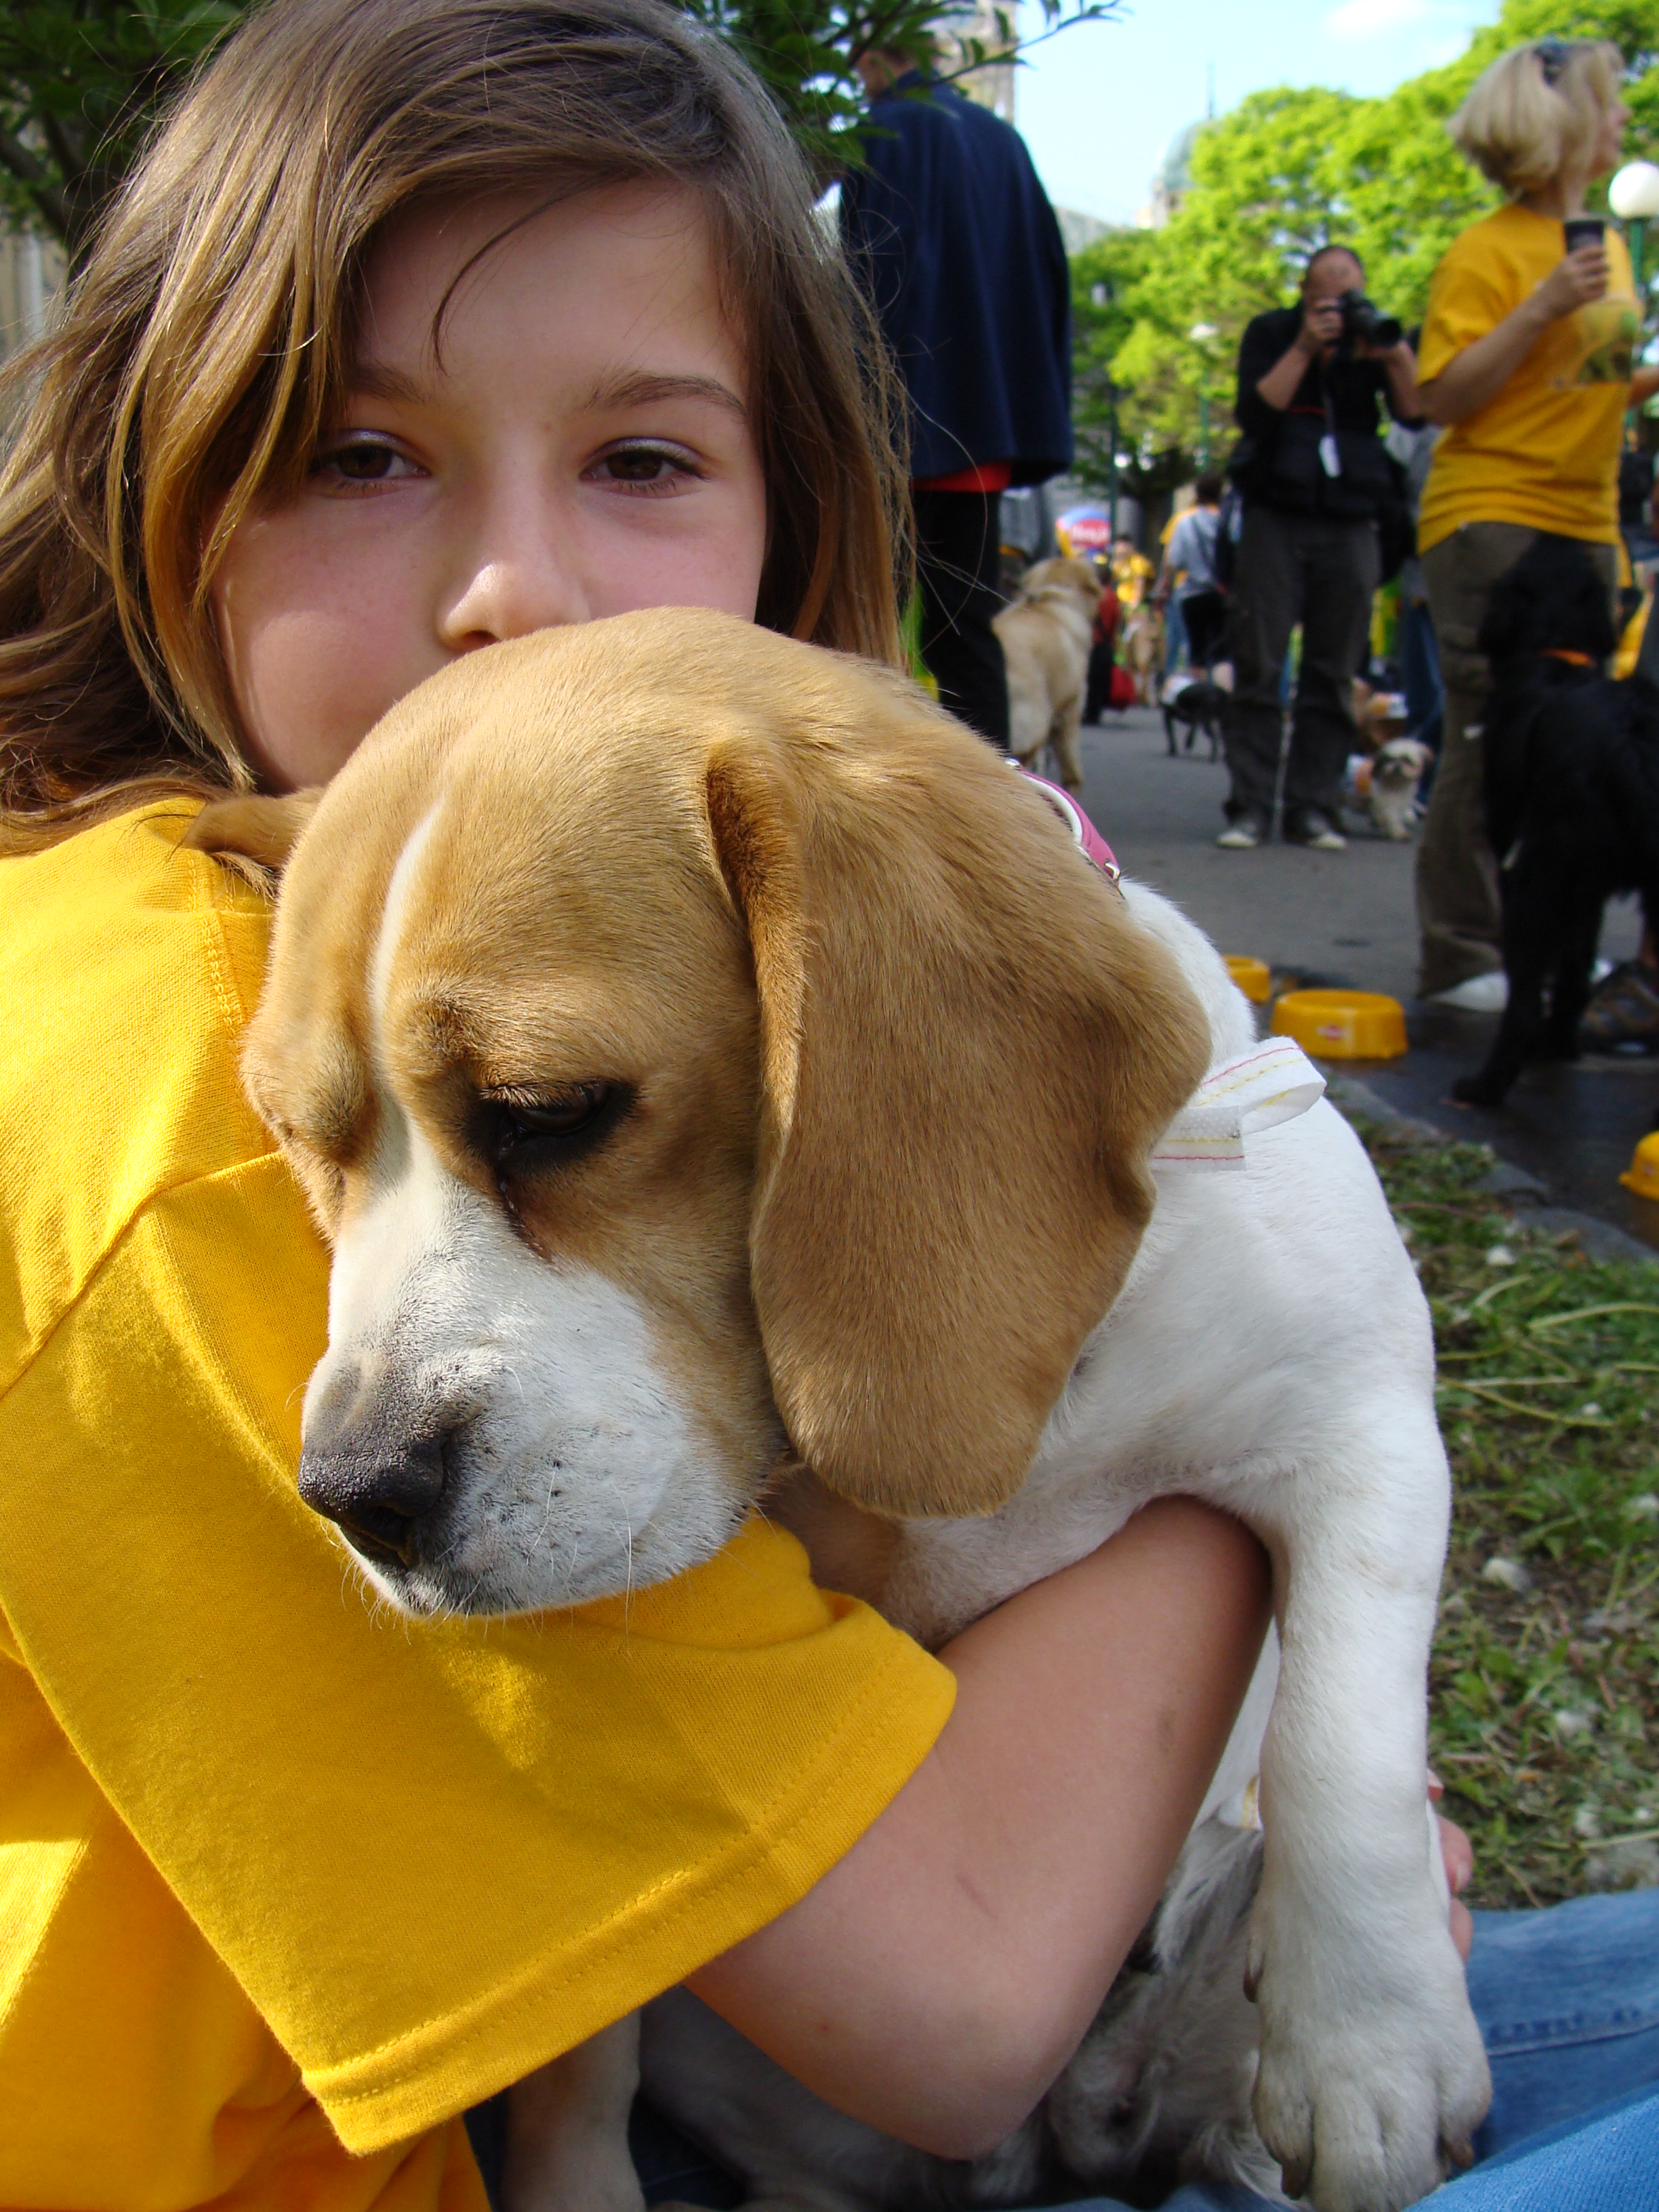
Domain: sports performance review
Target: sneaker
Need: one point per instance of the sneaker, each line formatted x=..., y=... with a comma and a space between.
x=1623, y=1015
x=1475, y=995
x=1244, y=834
x=1315, y=829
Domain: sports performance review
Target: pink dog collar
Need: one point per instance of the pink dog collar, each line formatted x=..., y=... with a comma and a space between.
x=1088, y=840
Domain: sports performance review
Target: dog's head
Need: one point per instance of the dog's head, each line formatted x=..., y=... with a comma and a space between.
x=1078, y=578
x=1552, y=601
x=1399, y=765
x=687, y=1038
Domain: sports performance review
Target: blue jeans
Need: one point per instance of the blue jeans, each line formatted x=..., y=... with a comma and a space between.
x=1568, y=2001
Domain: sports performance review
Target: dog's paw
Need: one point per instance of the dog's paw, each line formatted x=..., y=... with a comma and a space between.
x=1476, y=1090
x=1366, y=2097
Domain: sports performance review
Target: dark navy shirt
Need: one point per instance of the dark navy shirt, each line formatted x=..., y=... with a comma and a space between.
x=953, y=236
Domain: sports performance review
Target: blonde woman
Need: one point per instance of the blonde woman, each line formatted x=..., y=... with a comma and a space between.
x=1527, y=361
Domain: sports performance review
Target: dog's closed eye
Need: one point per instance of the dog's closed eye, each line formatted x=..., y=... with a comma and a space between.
x=525, y=1132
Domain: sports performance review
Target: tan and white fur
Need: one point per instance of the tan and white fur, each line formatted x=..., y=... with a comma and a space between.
x=1396, y=770
x=649, y=1016
x=1046, y=634
x=1143, y=649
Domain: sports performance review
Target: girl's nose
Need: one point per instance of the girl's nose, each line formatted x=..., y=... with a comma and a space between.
x=519, y=575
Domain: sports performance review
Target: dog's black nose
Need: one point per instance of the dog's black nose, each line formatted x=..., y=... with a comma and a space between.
x=376, y=1495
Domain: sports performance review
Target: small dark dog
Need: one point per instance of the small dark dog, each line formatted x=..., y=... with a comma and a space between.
x=1572, y=798
x=1198, y=703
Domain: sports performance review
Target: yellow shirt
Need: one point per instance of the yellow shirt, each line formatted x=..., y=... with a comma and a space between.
x=1544, y=451
x=279, y=1872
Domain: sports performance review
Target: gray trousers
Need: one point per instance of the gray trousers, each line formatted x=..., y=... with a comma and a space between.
x=1293, y=568
x=1459, y=920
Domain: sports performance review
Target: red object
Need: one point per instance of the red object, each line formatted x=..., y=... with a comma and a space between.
x=1107, y=616
x=1123, y=693
x=989, y=476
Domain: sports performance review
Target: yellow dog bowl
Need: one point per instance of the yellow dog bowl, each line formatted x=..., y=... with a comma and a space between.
x=1342, y=1024
x=1642, y=1174
x=1251, y=977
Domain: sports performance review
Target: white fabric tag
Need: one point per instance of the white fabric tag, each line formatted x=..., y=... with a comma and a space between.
x=1274, y=1082
x=1243, y=1808
x=1329, y=457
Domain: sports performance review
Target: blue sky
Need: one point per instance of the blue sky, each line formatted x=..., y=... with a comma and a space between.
x=1098, y=105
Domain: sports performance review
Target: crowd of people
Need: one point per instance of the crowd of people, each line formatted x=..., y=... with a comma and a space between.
x=384, y=356
x=1507, y=416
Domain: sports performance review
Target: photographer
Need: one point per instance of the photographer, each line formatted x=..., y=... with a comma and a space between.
x=1315, y=481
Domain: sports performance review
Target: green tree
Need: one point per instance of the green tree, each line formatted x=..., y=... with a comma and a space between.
x=82, y=81
x=79, y=82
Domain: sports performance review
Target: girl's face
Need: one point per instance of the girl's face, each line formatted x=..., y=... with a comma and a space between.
x=582, y=448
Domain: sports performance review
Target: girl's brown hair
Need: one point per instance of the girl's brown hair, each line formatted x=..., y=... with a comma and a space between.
x=205, y=347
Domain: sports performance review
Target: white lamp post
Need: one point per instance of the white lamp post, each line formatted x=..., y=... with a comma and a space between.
x=1633, y=196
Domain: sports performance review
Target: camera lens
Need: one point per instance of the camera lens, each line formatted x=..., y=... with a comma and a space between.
x=1362, y=318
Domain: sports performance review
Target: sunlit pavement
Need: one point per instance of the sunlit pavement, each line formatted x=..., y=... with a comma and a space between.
x=1348, y=918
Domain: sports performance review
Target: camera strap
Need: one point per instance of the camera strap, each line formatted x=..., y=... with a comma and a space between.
x=1330, y=459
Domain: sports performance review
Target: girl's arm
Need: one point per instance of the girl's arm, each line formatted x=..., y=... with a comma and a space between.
x=1481, y=370
x=936, y=1980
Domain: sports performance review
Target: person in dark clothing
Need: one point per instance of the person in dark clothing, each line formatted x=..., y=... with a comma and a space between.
x=1314, y=478
x=955, y=239
x=1102, y=649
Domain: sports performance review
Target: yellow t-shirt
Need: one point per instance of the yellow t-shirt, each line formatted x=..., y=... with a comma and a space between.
x=1544, y=451
x=280, y=1872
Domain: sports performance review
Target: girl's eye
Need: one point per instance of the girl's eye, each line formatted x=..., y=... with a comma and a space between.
x=646, y=468
x=364, y=461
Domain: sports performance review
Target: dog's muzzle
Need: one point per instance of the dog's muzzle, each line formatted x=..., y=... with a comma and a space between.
x=379, y=1491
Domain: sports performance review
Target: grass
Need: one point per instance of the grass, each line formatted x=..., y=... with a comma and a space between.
x=1544, y=1679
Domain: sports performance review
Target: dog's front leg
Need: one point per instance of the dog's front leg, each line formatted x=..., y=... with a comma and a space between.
x=1372, y=2073
x=567, y=2140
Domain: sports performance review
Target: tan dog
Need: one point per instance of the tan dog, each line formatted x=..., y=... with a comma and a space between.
x=650, y=1019
x=720, y=808
x=1143, y=649
x=1046, y=635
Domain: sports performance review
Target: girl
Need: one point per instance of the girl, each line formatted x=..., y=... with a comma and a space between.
x=426, y=323
x=1527, y=358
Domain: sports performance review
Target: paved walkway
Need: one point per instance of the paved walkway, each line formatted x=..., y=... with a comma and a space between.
x=1347, y=918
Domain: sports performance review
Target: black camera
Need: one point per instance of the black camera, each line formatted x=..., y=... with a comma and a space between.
x=1363, y=320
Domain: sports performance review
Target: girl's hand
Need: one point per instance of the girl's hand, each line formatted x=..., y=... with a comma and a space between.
x=1459, y=1854
x=1574, y=282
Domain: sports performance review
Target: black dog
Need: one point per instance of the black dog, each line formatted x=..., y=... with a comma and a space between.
x=1200, y=704
x=1571, y=793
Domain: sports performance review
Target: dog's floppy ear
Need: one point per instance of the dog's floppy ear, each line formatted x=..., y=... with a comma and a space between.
x=250, y=827
x=968, y=1048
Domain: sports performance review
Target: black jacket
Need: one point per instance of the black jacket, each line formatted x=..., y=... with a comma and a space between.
x=1278, y=461
x=954, y=241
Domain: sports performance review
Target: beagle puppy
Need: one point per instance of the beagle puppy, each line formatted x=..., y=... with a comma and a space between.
x=651, y=1021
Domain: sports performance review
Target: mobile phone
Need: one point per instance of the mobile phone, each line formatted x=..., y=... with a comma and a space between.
x=1584, y=230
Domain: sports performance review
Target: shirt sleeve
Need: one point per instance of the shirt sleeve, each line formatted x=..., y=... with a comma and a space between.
x=433, y=1854
x=1263, y=343
x=1468, y=297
